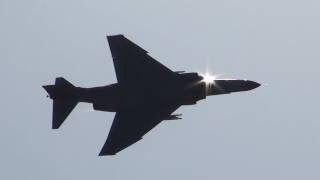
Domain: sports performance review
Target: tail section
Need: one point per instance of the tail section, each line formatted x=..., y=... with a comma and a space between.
x=64, y=100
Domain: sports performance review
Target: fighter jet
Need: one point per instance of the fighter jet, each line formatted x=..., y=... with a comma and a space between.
x=146, y=94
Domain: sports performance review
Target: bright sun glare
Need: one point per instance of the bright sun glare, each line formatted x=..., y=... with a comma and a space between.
x=208, y=78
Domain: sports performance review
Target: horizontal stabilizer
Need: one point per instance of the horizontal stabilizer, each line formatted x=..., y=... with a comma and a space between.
x=63, y=98
x=61, y=110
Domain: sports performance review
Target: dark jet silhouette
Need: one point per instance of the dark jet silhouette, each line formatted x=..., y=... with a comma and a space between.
x=147, y=93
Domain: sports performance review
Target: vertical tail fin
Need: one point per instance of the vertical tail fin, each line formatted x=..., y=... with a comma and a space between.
x=64, y=100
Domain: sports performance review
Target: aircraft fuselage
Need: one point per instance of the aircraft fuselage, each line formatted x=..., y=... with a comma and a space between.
x=190, y=89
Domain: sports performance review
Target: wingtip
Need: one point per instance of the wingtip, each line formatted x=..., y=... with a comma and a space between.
x=107, y=151
x=114, y=36
x=106, y=154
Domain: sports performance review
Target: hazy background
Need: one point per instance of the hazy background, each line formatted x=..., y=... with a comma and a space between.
x=269, y=133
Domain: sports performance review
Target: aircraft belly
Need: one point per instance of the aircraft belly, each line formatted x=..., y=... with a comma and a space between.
x=147, y=96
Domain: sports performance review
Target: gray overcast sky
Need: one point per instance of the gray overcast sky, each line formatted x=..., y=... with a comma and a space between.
x=269, y=133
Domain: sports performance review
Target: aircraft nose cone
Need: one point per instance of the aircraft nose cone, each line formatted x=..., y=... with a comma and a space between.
x=253, y=84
